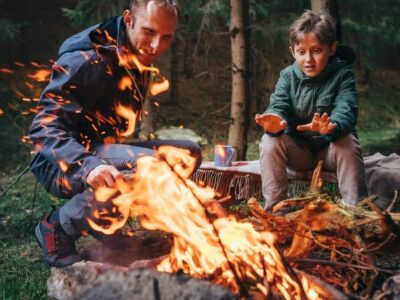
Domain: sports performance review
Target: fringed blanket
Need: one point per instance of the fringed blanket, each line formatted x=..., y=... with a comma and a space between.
x=243, y=180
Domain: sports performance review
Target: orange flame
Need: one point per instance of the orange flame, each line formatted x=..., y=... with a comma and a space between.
x=6, y=71
x=125, y=83
x=159, y=87
x=163, y=196
x=130, y=60
x=40, y=75
x=220, y=151
x=63, y=166
x=1, y=112
x=128, y=114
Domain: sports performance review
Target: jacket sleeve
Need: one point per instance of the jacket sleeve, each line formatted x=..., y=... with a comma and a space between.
x=345, y=110
x=280, y=103
x=74, y=84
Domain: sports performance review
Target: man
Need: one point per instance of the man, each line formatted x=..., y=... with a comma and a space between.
x=79, y=128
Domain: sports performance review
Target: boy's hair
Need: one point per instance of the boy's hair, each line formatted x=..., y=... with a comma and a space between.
x=320, y=23
x=170, y=4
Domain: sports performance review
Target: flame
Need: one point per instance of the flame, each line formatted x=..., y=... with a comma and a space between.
x=6, y=71
x=40, y=75
x=1, y=112
x=220, y=248
x=63, y=166
x=125, y=83
x=220, y=151
x=128, y=114
x=159, y=87
x=130, y=60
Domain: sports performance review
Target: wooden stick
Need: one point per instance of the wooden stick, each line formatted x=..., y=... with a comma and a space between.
x=338, y=263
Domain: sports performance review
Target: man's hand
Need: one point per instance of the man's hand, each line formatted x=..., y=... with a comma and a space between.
x=319, y=124
x=103, y=175
x=271, y=122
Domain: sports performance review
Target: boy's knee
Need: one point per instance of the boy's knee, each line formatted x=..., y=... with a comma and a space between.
x=347, y=144
x=269, y=143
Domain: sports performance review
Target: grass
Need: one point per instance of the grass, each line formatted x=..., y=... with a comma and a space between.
x=23, y=276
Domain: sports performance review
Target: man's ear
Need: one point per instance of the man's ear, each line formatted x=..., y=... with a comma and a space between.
x=128, y=18
x=333, y=48
x=291, y=51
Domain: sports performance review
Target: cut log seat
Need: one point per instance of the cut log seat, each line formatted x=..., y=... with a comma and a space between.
x=243, y=180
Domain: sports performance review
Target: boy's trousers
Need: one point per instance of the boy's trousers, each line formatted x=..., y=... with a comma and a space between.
x=73, y=214
x=343, y=156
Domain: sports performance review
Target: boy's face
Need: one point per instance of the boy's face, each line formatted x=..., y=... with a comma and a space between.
x=311, y=56
x=150, y=31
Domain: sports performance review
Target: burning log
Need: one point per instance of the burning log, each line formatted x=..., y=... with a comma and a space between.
x=207, y=242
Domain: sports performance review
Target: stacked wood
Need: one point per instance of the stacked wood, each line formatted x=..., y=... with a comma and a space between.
x=339, y=243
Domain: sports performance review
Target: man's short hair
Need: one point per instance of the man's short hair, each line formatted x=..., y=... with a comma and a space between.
x=320, y=23
x=170, y=4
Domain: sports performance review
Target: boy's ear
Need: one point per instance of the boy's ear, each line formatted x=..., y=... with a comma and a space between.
x=333, y=48
x=291, y=50
x=128, y=18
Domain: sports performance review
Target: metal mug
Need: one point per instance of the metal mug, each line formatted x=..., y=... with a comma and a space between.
x=223, y=155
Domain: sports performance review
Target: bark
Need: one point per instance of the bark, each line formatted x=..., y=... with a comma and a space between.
x=147, y=126
x=240, y=98
x=333, y=8
x=188, y=59
x=174, y=90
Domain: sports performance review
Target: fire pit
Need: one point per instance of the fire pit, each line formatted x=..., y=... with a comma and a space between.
x=243, y=255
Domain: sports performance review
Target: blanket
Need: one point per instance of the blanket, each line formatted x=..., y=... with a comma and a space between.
x=242, y=180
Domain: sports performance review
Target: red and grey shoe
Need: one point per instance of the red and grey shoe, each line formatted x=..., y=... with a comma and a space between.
x=58, y=248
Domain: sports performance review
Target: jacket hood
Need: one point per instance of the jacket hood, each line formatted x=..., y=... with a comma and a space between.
x=344, y=57
x=109, y=34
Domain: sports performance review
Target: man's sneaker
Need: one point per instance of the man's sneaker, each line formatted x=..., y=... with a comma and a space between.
x=58, y=248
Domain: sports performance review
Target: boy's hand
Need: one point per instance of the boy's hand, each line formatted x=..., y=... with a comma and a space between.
x=271, y=122
x=103, y=175
x=319, y=124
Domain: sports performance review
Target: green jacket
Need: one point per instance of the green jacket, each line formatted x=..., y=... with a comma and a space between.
x=297, y=97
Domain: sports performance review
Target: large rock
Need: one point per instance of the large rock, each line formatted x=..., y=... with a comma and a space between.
x=88, y=280
x=178, y=133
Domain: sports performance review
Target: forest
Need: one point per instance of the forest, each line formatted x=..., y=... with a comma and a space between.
x=215, y=90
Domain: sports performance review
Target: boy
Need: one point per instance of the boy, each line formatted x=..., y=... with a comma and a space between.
x=313, y=113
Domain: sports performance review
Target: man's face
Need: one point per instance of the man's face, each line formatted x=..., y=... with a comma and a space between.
x=311, y=56
x=150, y=31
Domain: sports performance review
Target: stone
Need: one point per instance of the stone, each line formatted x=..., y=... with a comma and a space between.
x=178, y=133
x=88, y=280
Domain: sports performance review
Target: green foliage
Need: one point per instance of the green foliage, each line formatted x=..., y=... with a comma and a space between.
x=379, y=121
x=270, y=21
x=370, y=31
x=90, y=12
x=10, y=31
x=22, y=274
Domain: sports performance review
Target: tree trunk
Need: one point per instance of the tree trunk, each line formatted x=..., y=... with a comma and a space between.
x=174, y=89
x=240, y=77
x=147, y=126
x=333, y=8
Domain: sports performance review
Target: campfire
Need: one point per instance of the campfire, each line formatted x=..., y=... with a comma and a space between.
x=241, y=255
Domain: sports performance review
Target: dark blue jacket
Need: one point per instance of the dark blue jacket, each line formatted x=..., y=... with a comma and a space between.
x=77, y=108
